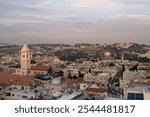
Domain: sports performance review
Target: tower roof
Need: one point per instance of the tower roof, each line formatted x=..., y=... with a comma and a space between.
x=25, y=47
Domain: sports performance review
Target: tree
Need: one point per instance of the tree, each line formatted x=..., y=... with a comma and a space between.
x=50, y=71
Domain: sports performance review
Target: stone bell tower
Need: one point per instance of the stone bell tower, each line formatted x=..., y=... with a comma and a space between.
x=25, y=59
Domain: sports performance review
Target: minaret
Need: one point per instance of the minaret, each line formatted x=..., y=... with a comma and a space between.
x=25, y=59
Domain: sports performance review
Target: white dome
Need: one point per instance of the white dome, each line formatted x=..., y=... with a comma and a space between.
x=56, y=80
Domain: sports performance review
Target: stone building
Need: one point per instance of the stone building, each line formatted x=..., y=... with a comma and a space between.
x=25, y=59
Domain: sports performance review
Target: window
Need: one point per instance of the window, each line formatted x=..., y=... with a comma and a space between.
x=8, y=94
x=13, y=95
x=135, y=96
x=24, y=96
x=23, y=56
x=22, y=88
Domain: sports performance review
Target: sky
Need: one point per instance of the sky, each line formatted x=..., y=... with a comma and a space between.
x=74, y=21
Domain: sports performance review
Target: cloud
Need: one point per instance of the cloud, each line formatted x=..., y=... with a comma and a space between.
x=61, y=10
x=107, y=4
x=95, y=4
x=74, y=20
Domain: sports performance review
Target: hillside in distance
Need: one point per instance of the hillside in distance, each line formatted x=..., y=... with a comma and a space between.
x=90, y=51
x=132, y=51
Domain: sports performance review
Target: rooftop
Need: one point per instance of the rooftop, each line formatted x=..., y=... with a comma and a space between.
x=69, y=97
x=96, y=90
x=25, y=47
x=7, y=79
x=72, y=81
x=139, y=89
x=40, y=68
x=44, y=68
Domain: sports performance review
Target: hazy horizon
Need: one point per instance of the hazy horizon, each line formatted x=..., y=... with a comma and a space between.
x=74, y=21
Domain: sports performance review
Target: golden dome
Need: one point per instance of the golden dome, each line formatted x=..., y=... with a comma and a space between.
x=107, y=54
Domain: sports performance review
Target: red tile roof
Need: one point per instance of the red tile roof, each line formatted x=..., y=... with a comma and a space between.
x=40, y=68
x=7, y=79
x=96, y=90
x=43, y=68
x=55, y=69
x=72, y=81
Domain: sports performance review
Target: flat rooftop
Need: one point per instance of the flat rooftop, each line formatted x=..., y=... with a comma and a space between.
x=139, y=89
